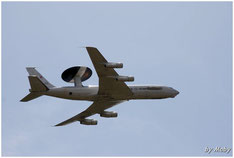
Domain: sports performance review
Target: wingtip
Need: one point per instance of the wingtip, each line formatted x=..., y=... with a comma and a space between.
x=60, y=124
x=56, y=125
x=89, y=47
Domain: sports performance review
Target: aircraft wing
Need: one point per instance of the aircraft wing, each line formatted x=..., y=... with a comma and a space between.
x=95, y=108
x=107, y=84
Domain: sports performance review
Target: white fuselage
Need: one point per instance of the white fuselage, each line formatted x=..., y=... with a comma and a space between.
x=90, y=93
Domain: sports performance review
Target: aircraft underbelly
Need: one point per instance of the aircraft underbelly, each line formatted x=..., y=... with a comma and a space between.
x=74, y=93
x=149, y=95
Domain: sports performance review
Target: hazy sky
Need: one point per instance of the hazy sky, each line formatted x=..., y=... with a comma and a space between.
x=187, y=46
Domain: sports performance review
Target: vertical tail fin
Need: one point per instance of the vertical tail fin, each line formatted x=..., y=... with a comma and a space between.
x=39, y=85
x=33, y=72
x=37, y=88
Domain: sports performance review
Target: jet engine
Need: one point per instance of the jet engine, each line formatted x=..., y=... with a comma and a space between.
x=88, y=122
x=109, y=114
x=113, y=65
x=125, y=78
x=76, y=74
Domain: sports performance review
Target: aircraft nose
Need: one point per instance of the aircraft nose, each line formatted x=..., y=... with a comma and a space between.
x=175, y=93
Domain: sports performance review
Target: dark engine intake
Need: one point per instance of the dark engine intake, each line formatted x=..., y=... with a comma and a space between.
x=88, y=122
x=113, y=65
x=109, y=114
x=125, y=78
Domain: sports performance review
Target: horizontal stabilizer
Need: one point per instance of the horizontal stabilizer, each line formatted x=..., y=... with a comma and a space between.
x=30, y=96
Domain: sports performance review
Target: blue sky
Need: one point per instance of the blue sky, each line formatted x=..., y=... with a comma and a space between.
x=186, y=45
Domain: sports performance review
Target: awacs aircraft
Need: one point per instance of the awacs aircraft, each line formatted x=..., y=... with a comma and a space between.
x=112, y=89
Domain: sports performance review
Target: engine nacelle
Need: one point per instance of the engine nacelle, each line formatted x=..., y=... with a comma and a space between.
x=88, y=122
x=125, y=78
x=109, y=114
x=113, y=65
